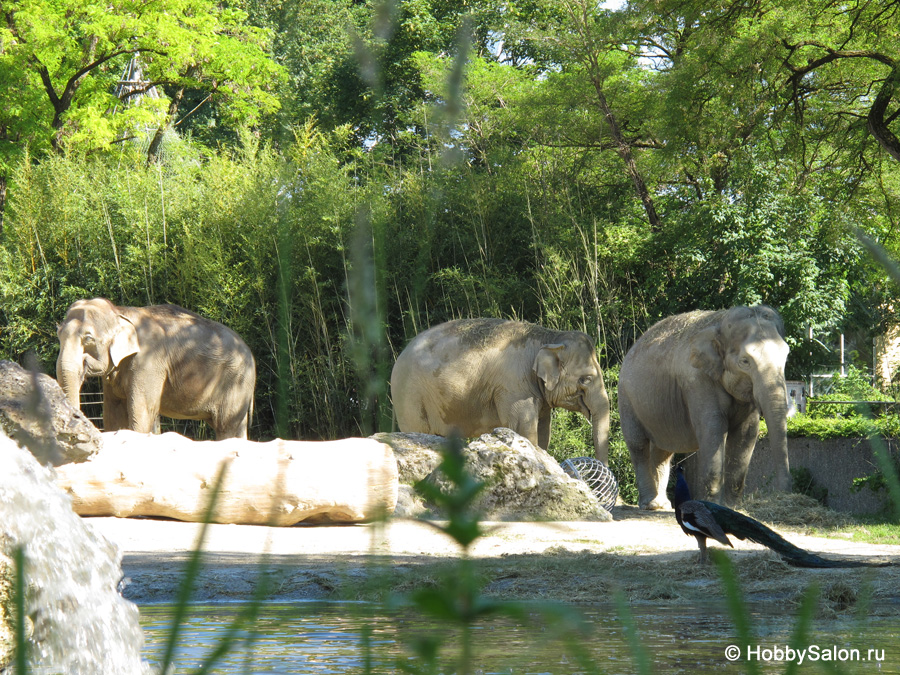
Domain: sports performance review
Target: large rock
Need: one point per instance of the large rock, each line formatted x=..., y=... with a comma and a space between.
x=80, y=623
x=35, y=413
x=523, y=481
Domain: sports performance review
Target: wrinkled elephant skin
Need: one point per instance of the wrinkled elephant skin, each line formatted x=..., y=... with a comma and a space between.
x=472, y=375
x=699, y=381
x=157, y=360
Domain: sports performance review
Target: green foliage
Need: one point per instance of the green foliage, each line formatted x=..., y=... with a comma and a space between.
x=825, y=428
x=457, y=599
x=456, y=504
x=207, y=235
x=22, y=645
x=855, y=386
x=886, y=476
x=876, y=482
x=825, y=421
x=60, y=63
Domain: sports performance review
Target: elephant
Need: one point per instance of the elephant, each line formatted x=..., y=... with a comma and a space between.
x=699, y=381
x=472, y=375
x=157, y=360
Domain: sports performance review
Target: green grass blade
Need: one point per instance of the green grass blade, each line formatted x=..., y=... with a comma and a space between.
x=638, y=651
x=191, y=571
x=800, y=637
x=19, y=603
x=737, y=608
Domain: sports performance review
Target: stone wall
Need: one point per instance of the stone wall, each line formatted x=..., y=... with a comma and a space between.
x=833, y=465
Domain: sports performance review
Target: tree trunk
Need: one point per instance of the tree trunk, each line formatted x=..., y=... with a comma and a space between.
x=156, y=143
x=878, y=127
x=275, y=483
x=623, y=148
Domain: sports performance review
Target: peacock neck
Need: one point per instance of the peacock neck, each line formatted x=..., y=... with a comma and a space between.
x=682, y=491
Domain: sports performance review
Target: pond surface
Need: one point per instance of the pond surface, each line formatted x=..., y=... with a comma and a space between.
x=329, y=638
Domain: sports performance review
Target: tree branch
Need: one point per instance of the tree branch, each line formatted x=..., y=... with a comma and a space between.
x=876, y=122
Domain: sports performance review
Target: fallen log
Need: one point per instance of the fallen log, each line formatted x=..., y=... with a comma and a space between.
x=274, y=483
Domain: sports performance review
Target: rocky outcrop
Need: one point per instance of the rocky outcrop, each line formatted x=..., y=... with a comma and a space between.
x=79, y=621
x=523, y=482
x=35, y=413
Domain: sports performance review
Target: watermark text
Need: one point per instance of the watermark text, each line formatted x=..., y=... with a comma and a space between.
x=800, y=655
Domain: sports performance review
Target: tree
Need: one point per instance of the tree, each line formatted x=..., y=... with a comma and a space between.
x=766, y=104
x=60, y=63
x=584, y=42
x=840, y=57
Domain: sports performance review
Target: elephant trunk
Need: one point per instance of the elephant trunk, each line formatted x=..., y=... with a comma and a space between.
x=772, y=401
x=70, y=374
x=597, y=402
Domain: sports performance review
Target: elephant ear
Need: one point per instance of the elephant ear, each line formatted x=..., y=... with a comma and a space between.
x=124, y=342
x=706, y=353
x=546, y=365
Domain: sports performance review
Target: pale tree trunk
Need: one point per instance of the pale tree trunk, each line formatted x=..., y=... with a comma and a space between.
x=592, y=45
x=623, y=149
x=156, y=143
x=276, y=483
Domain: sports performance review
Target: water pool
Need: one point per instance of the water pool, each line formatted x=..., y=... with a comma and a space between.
x=312, y=638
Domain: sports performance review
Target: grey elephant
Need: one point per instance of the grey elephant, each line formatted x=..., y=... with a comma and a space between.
x=157, y=360
x=472, y=375
x=699, y=381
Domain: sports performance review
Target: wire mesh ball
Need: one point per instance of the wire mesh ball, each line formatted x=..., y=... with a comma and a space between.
x=598, y=477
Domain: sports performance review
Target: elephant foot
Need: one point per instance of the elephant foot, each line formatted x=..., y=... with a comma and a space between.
x=658, y=504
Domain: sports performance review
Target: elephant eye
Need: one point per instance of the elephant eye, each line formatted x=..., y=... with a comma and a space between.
x=87, y=338
x=586, y=379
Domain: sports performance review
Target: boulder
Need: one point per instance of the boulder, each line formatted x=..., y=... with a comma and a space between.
x=523, y=482
x=76, y=620
x=35, y=413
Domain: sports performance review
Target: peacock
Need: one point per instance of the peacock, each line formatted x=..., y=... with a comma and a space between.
x=707, y=520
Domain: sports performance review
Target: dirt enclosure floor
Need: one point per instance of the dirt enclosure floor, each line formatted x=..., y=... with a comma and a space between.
x=643, y=555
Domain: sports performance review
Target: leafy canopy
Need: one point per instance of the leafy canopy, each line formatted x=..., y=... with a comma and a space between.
x=61, y=61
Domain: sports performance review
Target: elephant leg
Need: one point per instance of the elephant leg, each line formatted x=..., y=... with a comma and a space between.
x=738, y=452
x=638, y=444
x=711, y=428
x=651, y=464
x=544, y=419
x=660, y=462
x=523, y=417
x=651, y=472
x=231, y=424
x=115, y=412
x=143, y=404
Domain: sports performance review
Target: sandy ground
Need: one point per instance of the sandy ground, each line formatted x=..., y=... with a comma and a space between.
x=646, y=556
